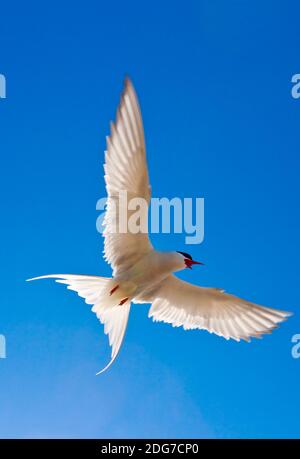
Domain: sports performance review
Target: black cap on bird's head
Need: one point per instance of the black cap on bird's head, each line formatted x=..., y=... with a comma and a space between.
x=188, y=260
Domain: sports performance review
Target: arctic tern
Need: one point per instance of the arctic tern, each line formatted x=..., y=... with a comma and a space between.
x=142, y=274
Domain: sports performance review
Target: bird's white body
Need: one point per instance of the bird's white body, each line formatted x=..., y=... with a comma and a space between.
x=149, y=272
x=143, y=275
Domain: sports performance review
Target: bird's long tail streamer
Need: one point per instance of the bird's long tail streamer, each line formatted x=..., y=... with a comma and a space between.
x=97, y=292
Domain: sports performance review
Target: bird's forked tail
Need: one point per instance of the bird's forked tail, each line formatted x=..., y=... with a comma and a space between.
x=105, y=296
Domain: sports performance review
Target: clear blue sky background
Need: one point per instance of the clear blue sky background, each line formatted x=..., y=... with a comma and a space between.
x=213, y=79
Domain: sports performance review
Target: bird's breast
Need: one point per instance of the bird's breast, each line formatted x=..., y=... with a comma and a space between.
x=151, y=269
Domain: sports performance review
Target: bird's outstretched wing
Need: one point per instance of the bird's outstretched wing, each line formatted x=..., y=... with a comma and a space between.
x=182, y=304
x=125, y=170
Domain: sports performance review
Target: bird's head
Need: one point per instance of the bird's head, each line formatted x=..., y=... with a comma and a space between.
x=188, y=261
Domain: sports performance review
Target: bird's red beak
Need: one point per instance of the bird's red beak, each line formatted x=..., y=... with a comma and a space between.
x=189, y=263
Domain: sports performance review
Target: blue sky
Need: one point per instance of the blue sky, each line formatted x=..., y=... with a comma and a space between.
x=213, y=78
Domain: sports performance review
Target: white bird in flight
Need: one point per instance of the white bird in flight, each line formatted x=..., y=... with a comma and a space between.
x=142, y=274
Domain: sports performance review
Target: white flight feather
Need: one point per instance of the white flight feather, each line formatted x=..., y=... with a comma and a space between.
x=183, y=304
x=125, y=170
